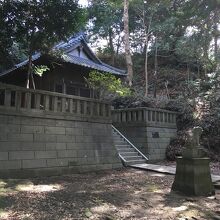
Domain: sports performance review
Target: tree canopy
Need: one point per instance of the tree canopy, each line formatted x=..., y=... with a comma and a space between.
x=36, y=25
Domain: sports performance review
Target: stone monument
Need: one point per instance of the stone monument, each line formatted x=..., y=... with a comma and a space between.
x=192, y=169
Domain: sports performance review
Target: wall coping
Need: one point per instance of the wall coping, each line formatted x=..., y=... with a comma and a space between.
x=145, y=108
x=51, y=115
x=144, y=124
x=149, y=116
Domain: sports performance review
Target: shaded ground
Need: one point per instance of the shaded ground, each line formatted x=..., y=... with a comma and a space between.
x=106, y=195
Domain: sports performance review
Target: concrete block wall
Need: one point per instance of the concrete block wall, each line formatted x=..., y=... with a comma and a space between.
x=150, y=140
x=158, y=139
x=136, y=133
x=36, y=146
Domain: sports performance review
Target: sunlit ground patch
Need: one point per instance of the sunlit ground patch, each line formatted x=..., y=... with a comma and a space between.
x=4, y=214
x=2, y=183
x=180, y=208
x=30, y=187
x=4, y=189
x=103, y=208
x=191, y=213
x=157, y=174
x=153, y=188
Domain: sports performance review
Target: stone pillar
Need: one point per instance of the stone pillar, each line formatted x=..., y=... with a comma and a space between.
x=192, y=171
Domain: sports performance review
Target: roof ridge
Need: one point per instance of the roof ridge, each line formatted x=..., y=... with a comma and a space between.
x=76, y=38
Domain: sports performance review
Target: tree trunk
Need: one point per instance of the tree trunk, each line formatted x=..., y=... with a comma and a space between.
x=29, y=70
x=155, y=69
x=146, y=68
x=147, y=36
x=216, y=36
x=188, y=74
x=30, y=73
x=127, y=43
x=111, y=47
x=32, y=79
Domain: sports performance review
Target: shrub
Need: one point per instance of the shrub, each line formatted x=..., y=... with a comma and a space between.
x=107, y=85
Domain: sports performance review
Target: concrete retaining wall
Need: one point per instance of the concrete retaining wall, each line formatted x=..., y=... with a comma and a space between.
x=36, y=146
x=152, y=141
x=150, y=130
x=158, y=139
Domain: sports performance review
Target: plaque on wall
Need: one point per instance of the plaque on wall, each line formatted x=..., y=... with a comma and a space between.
x=155, y=135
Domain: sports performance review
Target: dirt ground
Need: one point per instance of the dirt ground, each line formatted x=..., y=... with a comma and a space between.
x=107, y=195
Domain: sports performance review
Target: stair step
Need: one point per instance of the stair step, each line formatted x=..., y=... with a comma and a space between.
x=125, y=150
x=122, y=145
x=132, y=162
x=129, y=153
x=120, y=142
x=132, y=158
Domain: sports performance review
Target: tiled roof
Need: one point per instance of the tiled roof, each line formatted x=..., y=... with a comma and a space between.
x=17, y=66
x=65, y=45
x=94, y=62
x=90, y=64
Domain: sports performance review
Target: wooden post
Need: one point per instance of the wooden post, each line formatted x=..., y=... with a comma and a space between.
x=139, y=116
x=85, y=107
x=7, y=102
x=71, y=106
x=129, y=115
x=78, y=107
x=55, y=104
x=123, y=116
x=153, y=115
x=144, y=113
x=18, y=100
x=98, y=108
x=46, y=102
x=108, y=110
x=134, y=116
x=63, y=104
x=27, y=100
x=37, y=101
x=118, y=119
x=163, y=117
x=149, y=115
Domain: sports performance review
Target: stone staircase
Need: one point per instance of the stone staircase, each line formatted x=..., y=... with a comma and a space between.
x=128, y=153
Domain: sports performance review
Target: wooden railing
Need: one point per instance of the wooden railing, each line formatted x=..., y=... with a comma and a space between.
x=18, y=98
x=148, y=115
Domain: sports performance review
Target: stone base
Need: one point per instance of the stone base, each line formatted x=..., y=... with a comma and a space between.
x=193, y=177
x=197, y=152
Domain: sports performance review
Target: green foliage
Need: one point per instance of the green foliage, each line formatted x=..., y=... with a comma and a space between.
x=37, y=24
x=107, y=85
x=106, y=17
x=40, y=69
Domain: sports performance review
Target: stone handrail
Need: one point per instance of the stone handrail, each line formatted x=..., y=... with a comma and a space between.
x=144, y=114
x=19, y=98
